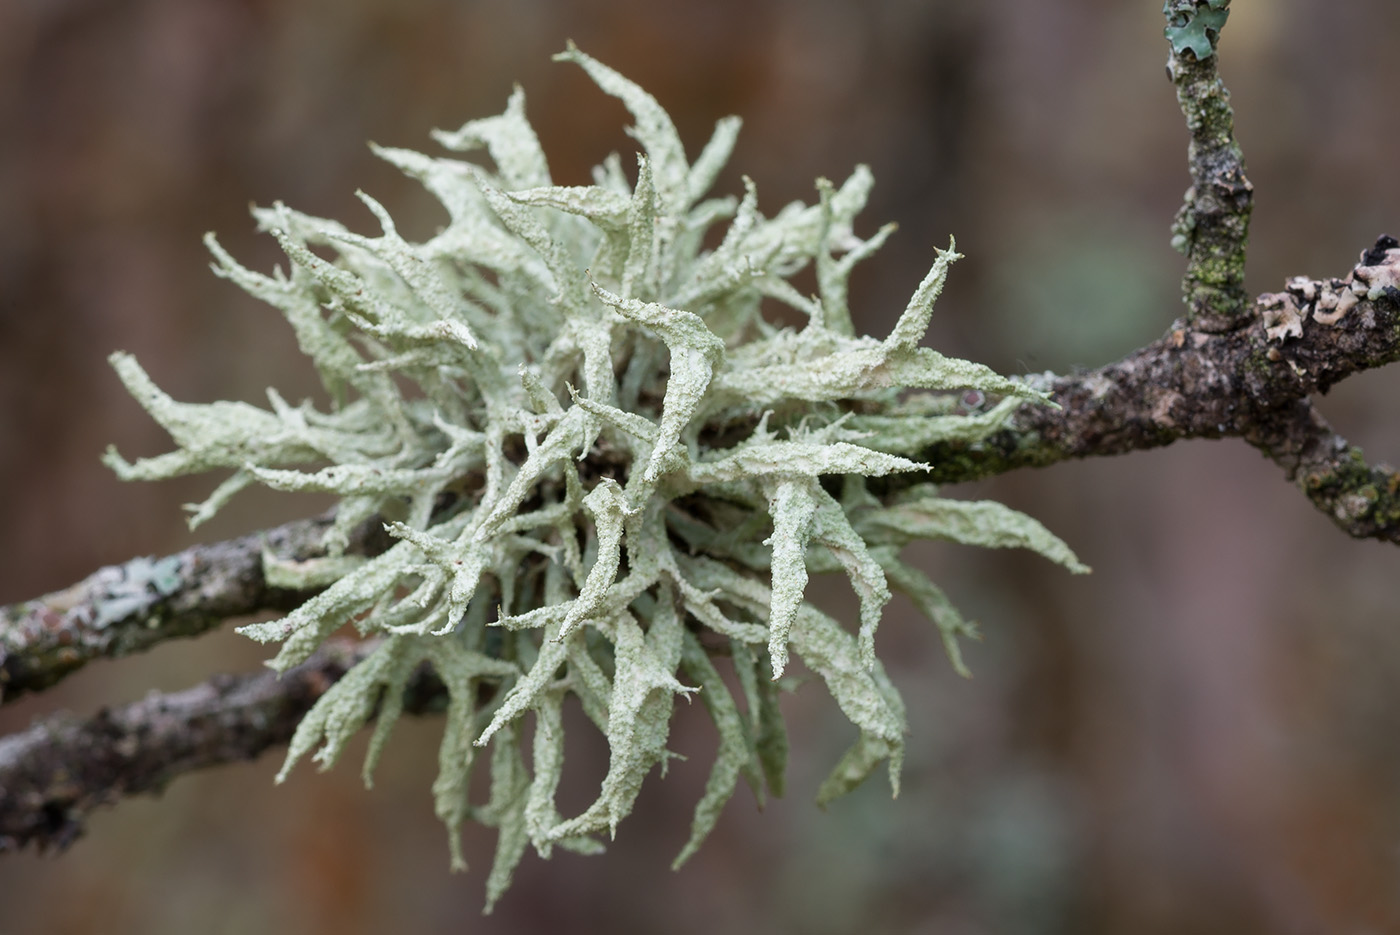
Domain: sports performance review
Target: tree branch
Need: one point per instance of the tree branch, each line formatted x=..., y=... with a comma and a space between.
x=123, y=609
x=1362, y=499
x=54, y=774
x=1252, y=382
x=1212, y=227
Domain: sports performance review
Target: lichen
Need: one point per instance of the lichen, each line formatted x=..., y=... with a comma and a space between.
x=134, y=587
x=1197, y=30
x=607, y=471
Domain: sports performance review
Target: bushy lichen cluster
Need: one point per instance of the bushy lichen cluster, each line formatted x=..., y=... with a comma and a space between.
x=603, y=466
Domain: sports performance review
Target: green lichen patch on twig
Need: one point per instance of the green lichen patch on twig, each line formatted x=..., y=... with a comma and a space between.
x=1212, y=227
x=1195, y=26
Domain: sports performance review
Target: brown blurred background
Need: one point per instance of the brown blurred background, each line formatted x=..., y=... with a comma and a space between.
x=1203, y=736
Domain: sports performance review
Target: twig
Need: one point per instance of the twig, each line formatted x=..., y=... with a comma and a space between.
x=1212, y=227
x=129, y=608
x=54, y=774
x=1364, y=500
x=1252, y=382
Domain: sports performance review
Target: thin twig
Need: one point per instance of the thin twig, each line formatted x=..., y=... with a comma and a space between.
x=1361, y=498
x=128, y=608
x=1252, y=382
x=54, y=774
x=1245, y=383
x=1212, y=227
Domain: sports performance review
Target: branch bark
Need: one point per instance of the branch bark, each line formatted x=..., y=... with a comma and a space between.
x=1252, y=382
x=53, y=775
x=129, y=608
x=1212, y=227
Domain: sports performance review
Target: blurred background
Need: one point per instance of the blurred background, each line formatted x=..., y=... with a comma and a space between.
x=1202, y=736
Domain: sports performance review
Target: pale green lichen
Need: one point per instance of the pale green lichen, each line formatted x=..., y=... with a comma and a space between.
x=1197, y=29
x=603, y=466
x=134, y=587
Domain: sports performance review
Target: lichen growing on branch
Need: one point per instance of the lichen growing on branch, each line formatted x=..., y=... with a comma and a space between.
x=608, y=472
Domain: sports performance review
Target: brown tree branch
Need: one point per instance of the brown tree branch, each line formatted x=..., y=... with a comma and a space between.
x=123, y=609
x=1252, y=382
x=54, y=774
x=1362, y=499
x=1212, y=227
